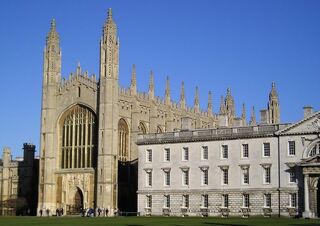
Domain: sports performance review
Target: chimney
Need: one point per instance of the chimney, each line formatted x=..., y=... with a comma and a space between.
x=264, y=116
x=307, y=111
x=186, y=123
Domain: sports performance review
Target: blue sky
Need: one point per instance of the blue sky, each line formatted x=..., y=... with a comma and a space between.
x=244, y=45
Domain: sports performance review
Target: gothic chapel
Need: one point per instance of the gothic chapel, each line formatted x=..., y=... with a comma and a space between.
x=89, y=128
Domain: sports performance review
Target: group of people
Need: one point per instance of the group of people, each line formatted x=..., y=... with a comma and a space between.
x=89, y=212
x=59, y=212
x=47, y=211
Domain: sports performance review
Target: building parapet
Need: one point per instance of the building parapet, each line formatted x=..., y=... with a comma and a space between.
x=210, y=134
x=78, y=78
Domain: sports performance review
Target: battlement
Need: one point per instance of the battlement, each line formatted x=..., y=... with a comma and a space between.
x=29, y=146
x=74, y=79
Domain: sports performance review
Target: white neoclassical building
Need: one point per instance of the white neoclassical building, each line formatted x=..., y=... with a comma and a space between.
x=265, y=169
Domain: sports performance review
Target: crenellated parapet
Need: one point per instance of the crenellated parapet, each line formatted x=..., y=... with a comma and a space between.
x=78, y=78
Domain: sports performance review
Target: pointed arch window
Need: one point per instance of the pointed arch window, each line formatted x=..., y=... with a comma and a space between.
x=78, y=138
x=123, y=137
x=142, y=128
x=159, y=129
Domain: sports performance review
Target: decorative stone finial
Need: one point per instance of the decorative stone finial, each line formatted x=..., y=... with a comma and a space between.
x=209, y=104
x=167, y=92
x=151, y=86
x=182, y=97
x=253, y=117
x=133, y=80
x=53, y=24
x=109, y=14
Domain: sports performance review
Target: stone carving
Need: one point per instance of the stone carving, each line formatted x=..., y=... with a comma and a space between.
x=314, y=124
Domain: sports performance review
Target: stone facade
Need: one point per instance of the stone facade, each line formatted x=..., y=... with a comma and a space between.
x=18, y=182
x=89, y=127
x=252, y=170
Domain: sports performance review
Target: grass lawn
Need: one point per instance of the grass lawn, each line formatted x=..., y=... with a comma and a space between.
x=154, y=221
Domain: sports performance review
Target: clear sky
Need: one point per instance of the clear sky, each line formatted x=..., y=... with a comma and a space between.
x=244, y=45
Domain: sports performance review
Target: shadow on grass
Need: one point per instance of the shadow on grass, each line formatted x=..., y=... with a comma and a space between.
x=306, y=224
x=222, y=224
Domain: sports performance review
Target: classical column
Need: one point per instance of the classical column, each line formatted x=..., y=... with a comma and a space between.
x=306, y=212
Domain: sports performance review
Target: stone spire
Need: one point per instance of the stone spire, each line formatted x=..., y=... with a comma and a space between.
x=182, y=97
x=133, y=86
x=109, y=50
x=253, y=117
x=52, y=56
x=222, y=106
x=151, y=86
x=167, y=92
x=273, y=106
x=196, y=100
x=53, y=36
x=209, y=110
x=244, y=115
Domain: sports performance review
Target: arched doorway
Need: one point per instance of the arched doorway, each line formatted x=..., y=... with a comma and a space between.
x=76, y=204
x=78, y=201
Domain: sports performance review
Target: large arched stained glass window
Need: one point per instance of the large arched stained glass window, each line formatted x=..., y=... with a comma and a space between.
x=78, y=138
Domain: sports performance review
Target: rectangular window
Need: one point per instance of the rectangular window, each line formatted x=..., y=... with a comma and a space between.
x=292, y=176
x=245, y=200
x=266, y=149
x=149, y=201
x=149, y=178
x=185, y=201
x=167, y=178
x=185, y=154
x=205, y=201
x=205, y=154
x=267, y=175
x=245, y=150
x=167, y=154
x=292, y=147
x=267, y=200
x=185, y=177
x=225, y=176
x=149, y=155
x=225, y=200
x=204, y=177
x=224, y=153
x=167, y=201
x=293, y=200
x=245, y=177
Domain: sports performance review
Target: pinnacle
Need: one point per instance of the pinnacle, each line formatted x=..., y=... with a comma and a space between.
x=109, y=14
x=53, y=24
